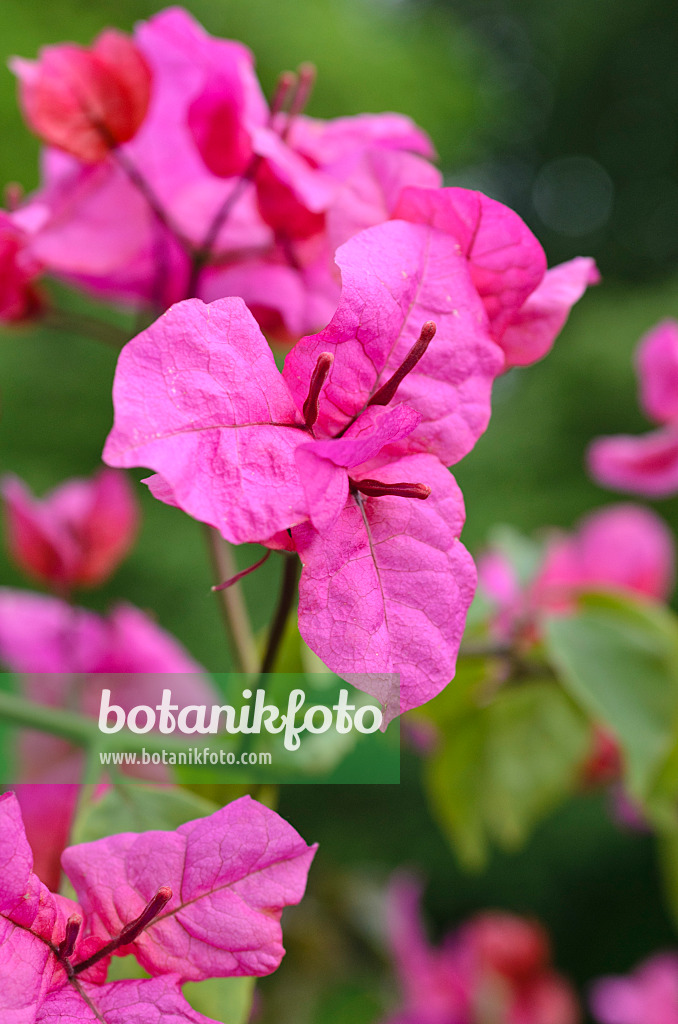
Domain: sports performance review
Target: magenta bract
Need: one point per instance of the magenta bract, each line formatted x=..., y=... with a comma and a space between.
x=395, y=278
x=648, y=996
x=526, y=304
x=86, y=101
x=647, y=464
x=387, y=590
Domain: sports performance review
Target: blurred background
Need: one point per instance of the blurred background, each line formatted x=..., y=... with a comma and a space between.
x=569, y=113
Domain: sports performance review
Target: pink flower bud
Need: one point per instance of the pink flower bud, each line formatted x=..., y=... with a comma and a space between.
x=76, y=535
x=86, y=101
x=19, y=299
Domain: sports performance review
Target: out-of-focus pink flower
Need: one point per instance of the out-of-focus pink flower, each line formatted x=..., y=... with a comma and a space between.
x=85, y=101
x=19, y=299
x=646, y=464
x=648, y=996
x=58, y=648
x=312, y=185
x=496, y=967
x=624, y=548
x=77, y=534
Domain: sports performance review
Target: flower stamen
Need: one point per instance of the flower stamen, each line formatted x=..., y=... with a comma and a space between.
x=387, y=391
x=318, y=378
x=377, y=489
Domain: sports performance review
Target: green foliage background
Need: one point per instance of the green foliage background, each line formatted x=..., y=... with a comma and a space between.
x=504, y=88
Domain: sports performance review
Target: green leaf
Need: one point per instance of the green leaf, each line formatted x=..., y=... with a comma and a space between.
x=223, y=999
x=619, y=659
x=505, y=766
x=129, y=807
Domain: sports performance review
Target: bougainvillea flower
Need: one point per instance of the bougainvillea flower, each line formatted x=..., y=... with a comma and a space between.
x=19, y=299
x=527, y=304
x=648, y=996
x=624, y=548
x=207, y=898
x=86, y=102
x=496, y=966
x=100, y=230
x=198, y=398
x=77, y=534
x=646, y=464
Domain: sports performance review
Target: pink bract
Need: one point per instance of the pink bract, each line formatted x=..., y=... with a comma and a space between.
x=646, y=464
x=526, y=304
x=396, y=277
x=58, y=649
x=231, y=874
x=77, y=534
x=494, y=959
x=624, y=547
x=648, y=996
x=386, y=592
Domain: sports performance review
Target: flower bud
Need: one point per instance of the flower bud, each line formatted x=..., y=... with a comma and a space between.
x=85, y=101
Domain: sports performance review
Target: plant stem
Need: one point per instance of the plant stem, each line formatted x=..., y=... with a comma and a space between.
x=486, y=649
x=82, y=730
x=231, y=603
x=146, y=190
x=202, y=255
x=66, y=724
x=288, y=590
x=86, y=326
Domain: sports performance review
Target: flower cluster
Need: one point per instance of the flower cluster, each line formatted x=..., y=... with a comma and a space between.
x=343, y=456
x=428, y=294
x=253, y=201
x=495, y=967
x=202, y=902
x=76, y=535
x=648, y=996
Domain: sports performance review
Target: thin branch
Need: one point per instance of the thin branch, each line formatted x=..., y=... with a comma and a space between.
x=231, y=602
x=288, y=591
x=85, y=326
